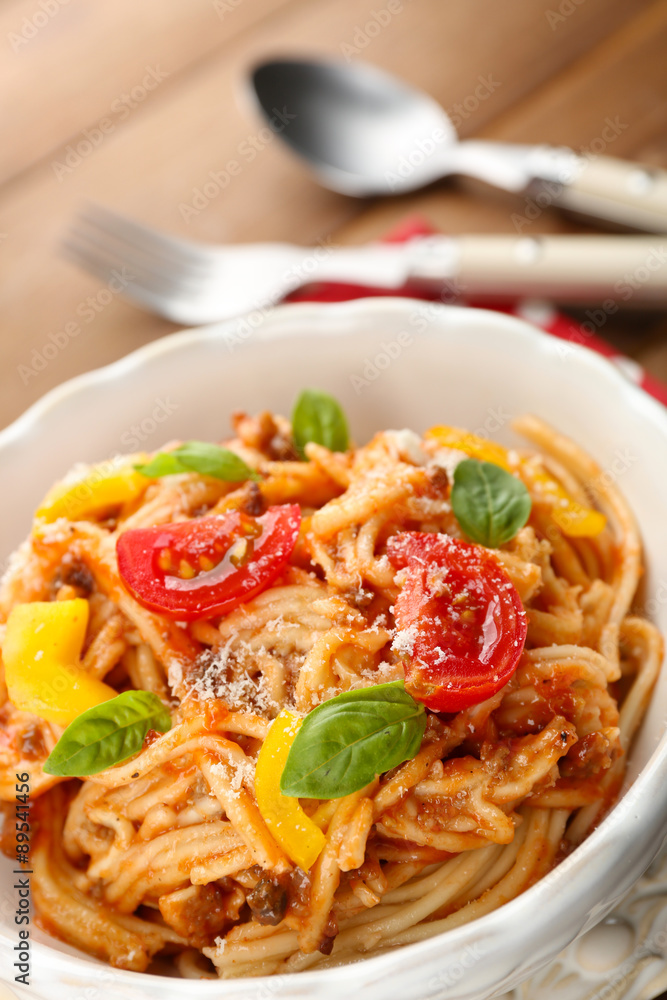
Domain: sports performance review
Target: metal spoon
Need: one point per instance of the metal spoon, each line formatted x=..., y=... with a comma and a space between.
x=365, y=132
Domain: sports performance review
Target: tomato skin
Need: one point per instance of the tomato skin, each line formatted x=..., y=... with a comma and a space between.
x=141, y=552
x=463, y=623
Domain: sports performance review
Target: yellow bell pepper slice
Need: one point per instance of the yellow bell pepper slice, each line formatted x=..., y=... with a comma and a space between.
x=41, y=653
x=573, y=519
x=471, y=444
x=103, y=486
x=296, y=833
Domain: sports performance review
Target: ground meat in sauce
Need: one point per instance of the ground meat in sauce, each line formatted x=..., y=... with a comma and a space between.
x=264, y=434
x=325, y=946
x=438, y=479
x=74, y=574
x=254, y=503
x=30, y=743
x=200, y=913
x=268, y=900
x=281, y=449
x=588, y=757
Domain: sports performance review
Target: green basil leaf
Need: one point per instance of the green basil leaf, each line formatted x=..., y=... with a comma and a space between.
x=165, y=463
x=202, y=457
x=318, y=417
x=490, y=504
x=107, y=734
x=343, y=743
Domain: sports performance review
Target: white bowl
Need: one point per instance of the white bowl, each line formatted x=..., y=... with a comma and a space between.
x=420, y=364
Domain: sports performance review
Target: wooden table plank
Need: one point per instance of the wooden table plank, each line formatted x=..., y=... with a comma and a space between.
x=623, y=81
x=67, y=66
x=164, y=153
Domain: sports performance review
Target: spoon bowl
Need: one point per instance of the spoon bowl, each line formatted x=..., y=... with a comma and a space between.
x=358, y=127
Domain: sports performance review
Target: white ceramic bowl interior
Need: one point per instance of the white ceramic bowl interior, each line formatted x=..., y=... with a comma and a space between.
x=392, y=363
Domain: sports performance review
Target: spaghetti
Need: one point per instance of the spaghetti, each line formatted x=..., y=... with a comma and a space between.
x=169, y=854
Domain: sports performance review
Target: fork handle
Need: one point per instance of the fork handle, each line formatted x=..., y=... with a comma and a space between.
x=626, y=270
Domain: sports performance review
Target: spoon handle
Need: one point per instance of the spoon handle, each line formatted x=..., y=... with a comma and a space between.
x=617, y=271
x=607, y=188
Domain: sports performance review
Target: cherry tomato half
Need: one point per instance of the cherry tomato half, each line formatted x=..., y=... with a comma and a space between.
x=207, y=566
x=460, y=620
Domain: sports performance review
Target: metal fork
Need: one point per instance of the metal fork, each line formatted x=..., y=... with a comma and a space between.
x=194, y=283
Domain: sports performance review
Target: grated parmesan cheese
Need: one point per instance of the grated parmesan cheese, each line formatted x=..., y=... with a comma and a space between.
x=17, y=563
x=241, y=690
x=448, y=459
x=404, y=639
x=239, y=772
x=407, y=446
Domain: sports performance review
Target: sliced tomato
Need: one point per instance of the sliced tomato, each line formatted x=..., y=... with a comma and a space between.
x=207, y=566
x=460, y=621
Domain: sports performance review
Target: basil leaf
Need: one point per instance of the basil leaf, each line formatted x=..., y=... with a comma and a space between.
x=165, y=463
x=202, y=457
x=318, y=417
x=107, y=734
x=490, y=504
x=343, y=743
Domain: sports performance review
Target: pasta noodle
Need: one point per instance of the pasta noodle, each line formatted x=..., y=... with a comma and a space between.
x=168, y=854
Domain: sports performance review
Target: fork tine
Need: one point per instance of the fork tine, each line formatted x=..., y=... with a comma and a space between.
x=107, y=267
x=127, y=231
x=146, y=268
x=188, y=283
x=186, y=299
x=125, y=247
x=127, y=264
x=109, y=263
x=154, y=299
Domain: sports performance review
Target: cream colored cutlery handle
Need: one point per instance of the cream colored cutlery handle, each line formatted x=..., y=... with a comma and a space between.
x=631, y=270
x=622, y=192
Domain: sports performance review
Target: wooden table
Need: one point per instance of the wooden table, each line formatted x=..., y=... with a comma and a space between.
x=134, y=104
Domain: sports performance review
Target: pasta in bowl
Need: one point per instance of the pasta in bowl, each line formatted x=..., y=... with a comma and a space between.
x=286, y=702
x=475, y=369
